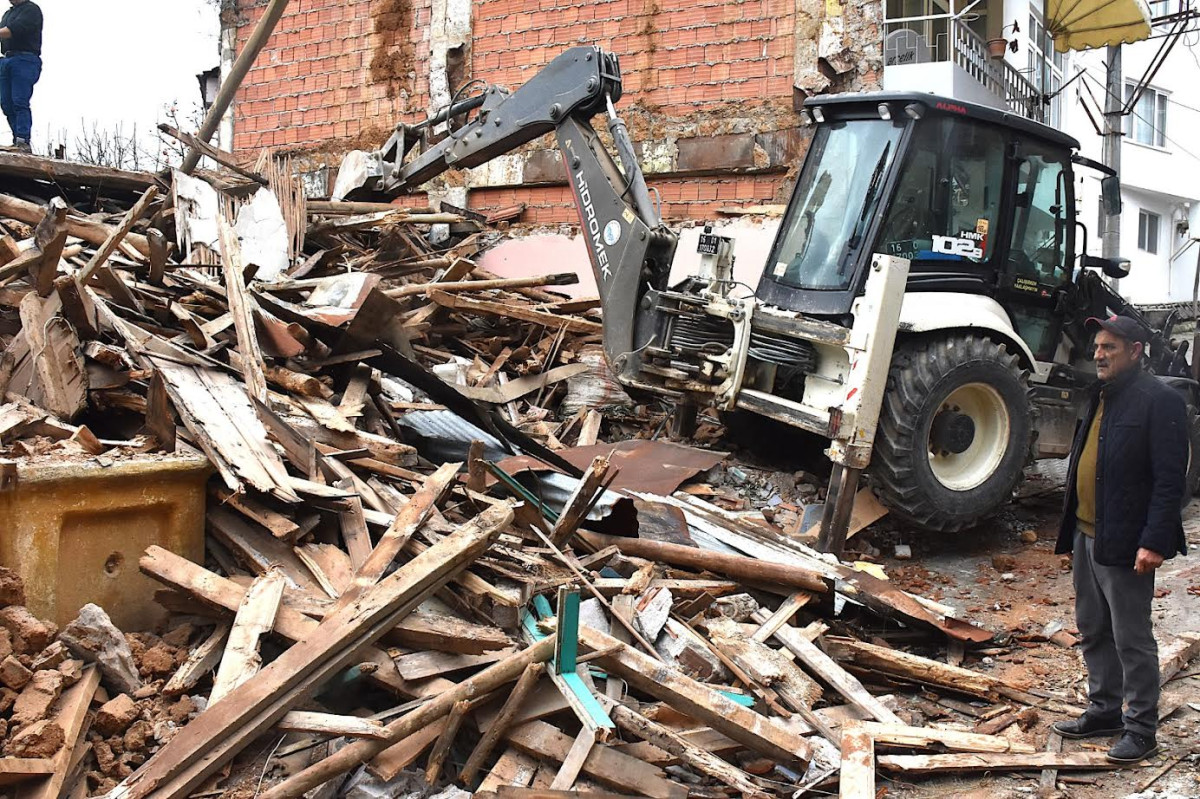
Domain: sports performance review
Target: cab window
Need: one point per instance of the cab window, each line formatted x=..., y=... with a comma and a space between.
x=947, y=202
x=1038, y=252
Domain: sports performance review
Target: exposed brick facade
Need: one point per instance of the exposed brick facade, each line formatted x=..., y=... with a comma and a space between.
x=709, y=84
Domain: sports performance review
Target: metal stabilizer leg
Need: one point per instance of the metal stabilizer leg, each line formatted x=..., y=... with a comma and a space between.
x=839, y=505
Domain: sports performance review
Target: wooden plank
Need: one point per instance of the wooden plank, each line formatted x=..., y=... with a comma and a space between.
x=856, y=780
x=834, y=675
x=20, y=769
x=215, y=736
x=531, y=281
x=782, y=615
x=734, y=566
x=68, y=173
x=436, y=708
x=441, y=748
x=604, y=764
x=1048, y=782
x=510, y=390
x=572, y=765
x=960, y=763
x=331, y=725
x=254, y=619
x=258, y=549
x=954, y=740
x=589, y=431
x=280, y=525
x=422, y=665
x=500, y=724
x=442, y=633
x=912, y=667
x=72, y=716
x=200, y=661
x=49, y=236
x=571, y=324
x=116, y=236
x=756, y=732
x=513, y=769
x=241, y=308
x=670, y=741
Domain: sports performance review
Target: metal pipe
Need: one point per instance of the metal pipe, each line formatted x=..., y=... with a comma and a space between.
x=635, y=180
x=233, y=81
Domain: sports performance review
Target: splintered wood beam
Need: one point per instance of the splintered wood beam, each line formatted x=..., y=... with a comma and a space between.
x=330, y=725
x=410, y=518
x=670, y=741
x=580, y=501
x=735, y=566
x=20, y=769
x=955, y=740
x=437, y=707
x=441, y=747
x=961, y=763
x=857, y=776
x=911, y=667
x=116, y=236
x=200, y=661
x=254, y=619
x=559, y=279
x=763, y=735
x=500, y=724
x=241, y=307
x=1048, y=782
x=50, y=236
x=221, y=157
x=217, y=735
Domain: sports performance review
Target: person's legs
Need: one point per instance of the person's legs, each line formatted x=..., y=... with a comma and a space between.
x=25, y=72
x=1095, y=622
x=6, y=103
x=1129, y=596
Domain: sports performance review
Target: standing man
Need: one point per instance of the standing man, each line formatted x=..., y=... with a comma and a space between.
x=1125, y=489
x=21, y=45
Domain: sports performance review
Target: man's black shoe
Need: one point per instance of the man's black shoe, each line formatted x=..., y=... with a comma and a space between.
x=1133, y=748
x=1087, y=726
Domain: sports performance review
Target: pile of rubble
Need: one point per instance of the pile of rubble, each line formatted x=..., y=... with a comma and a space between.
x=423, y=567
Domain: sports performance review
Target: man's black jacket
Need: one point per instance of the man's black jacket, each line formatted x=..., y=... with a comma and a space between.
x=1141, y=465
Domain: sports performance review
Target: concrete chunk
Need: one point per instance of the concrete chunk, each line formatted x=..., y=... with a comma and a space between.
x=94, y=638
x=14, y=675
x=115, y=715
x=41, y=739
x=29, y=634
x=38, y=697
x=12, y=590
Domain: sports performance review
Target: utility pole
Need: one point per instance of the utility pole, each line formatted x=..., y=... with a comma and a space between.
x=1114, y=126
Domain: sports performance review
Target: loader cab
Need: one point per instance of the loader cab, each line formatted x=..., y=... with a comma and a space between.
x=979, y=200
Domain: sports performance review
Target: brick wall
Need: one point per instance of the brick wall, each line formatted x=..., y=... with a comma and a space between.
x=710, y=85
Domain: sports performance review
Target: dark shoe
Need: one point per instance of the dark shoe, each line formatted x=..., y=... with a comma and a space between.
x=1087, y=726
x=1133, y=748
x=22, y=146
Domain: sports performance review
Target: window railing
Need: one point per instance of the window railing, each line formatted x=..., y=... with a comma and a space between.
x=945, y=38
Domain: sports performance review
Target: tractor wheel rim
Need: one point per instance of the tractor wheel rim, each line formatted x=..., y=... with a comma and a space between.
x=973, y=466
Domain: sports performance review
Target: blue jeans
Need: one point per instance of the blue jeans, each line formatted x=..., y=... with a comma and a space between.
x=18, y=74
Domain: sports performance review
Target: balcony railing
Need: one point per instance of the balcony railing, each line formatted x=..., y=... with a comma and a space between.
x=923, y=40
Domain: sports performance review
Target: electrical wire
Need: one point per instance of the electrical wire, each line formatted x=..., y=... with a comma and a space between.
x=1153, y=127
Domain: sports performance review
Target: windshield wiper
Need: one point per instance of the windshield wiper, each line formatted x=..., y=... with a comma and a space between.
x=868, y=202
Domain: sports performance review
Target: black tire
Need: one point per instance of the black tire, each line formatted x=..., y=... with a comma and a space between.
x=1193, y=470
x=949, y=492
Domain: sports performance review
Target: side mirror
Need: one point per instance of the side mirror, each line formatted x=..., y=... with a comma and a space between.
x=1110, y=195
x=1115, y=268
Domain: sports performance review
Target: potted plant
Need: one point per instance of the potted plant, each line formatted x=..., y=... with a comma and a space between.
x=996, y=47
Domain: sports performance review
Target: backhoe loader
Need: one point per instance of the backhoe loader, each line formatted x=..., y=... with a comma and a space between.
x=922, y=307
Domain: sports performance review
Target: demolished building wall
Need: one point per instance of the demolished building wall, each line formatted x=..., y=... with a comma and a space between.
x=711, y=88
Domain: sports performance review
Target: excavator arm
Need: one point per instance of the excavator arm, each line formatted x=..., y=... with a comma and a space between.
x=629, y=247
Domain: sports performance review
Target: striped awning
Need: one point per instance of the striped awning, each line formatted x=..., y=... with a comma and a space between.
x=1087, y=24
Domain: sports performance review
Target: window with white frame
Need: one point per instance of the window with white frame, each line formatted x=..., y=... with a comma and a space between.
x=1148, y=225
x=1045, y=65
x=1147, y=123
